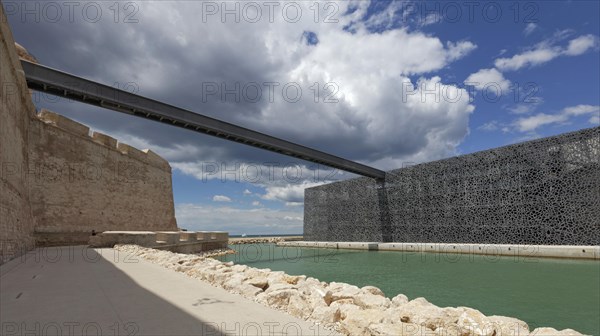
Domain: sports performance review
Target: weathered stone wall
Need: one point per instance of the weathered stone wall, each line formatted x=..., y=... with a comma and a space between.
x=16, y=109
x=58, y=183
x=79, y=183
x=538, y=192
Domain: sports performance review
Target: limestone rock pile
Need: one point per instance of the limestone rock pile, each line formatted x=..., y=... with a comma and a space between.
x=271, y=240
x=215, y=253
x=338, y=306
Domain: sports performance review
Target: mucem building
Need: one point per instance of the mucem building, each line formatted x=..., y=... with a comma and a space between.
x=545, y=191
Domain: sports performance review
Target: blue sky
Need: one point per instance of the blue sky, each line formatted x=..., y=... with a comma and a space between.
x=533, y=70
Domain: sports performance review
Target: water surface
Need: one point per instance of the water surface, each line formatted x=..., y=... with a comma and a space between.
x=542, y=292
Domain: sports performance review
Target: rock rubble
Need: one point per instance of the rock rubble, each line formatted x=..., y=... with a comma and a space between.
x=242, y=241
x=338, y=306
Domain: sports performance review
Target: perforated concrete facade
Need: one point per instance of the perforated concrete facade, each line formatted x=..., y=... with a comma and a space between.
x=545, y=191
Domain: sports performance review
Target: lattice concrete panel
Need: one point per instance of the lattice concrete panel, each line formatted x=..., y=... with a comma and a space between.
x=545, y=191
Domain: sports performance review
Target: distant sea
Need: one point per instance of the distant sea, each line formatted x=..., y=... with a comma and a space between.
x=266, y=235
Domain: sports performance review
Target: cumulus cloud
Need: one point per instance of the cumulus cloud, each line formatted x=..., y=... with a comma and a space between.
x=221, y=198
x=176, y=64
x=488, y=77
x=371, y=102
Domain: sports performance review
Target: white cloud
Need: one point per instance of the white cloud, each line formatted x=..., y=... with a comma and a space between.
x=259, y=174
x=529, y=28
x=594, y=120
x=291, y=193
x=581, y=109
x=430, y=19
x=523, y=108
x=528, y=58
x=546, y=51
x=485, y=78
x=531, y=123
x=247, y=192
x=489, y=126
x=237, y=221
x=256, y=203
x=459, y=50
x=538, y=120
x=221, y=198
x=581, y=44
x=370, y=123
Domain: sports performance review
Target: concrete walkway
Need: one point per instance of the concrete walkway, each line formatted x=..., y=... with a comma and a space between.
x=79, y=291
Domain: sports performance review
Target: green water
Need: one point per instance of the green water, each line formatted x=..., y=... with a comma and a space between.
x=543, y=292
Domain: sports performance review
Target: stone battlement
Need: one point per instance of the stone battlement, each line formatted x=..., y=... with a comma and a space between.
x=68, y=125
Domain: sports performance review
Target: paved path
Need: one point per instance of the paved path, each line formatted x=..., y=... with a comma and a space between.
x=81, y=291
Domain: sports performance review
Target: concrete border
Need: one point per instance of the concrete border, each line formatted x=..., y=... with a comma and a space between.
x=525, y=251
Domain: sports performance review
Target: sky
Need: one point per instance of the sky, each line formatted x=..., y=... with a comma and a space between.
x=387, y=84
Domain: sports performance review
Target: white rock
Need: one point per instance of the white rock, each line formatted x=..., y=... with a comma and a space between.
x=449, y=330
x=367, y=301
x=473, y=322
x=372, y=290
x=316, y=294
x=279, y=299
x=356, y=311
x=299, y=307
x=273, y=287
x=346, y=307
x=399, y=300
x=340, y=291
x=259, y=281
x=553, y=332
x=326, y=314
x=508, y=326
x=249, y=291
x=234, y=282
x=400, y=329
x=420, y=311
x=358, y=321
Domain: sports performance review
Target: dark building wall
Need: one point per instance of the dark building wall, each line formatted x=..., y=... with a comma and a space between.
x=545, y=191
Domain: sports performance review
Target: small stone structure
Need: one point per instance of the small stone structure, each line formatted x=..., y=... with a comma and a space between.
x=542, y=192
x=175, y=241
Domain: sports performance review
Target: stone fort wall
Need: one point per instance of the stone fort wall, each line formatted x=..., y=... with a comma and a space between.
x=16, y=112
x=538, y=192
x=80, y=182
x=59, y=181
